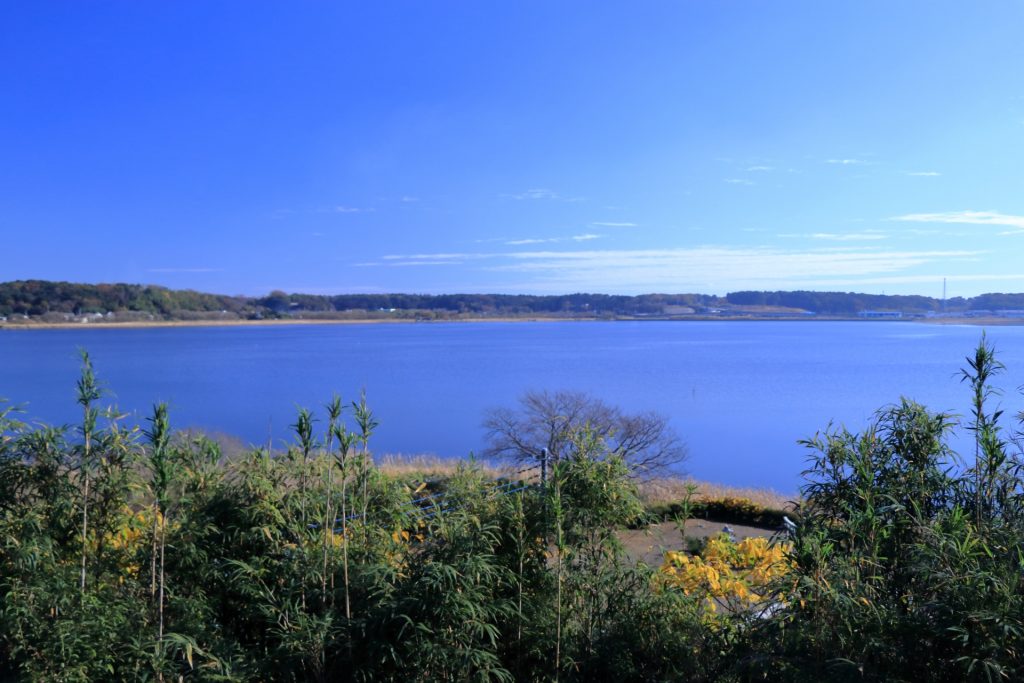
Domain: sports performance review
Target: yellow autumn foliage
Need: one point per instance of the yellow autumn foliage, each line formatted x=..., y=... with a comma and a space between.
x=132, y=535
x=728, y=573
x=134, y=529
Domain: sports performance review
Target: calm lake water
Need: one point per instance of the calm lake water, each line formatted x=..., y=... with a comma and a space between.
x=739, y=393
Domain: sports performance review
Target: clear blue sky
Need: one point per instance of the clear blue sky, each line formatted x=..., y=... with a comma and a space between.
x=540, y=147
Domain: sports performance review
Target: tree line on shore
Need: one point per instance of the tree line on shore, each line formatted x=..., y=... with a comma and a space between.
x=56, y=300
x=142, y=554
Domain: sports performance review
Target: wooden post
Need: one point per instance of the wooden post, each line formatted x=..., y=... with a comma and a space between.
x=543, y=468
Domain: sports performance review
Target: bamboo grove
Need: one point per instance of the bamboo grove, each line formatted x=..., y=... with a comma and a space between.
x=141, y=553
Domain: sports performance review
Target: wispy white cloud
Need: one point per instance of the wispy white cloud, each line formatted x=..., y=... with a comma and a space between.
x=440, y=259
x=541, y=193
x=551, y=240
x=409, y=200
x=760, y=169
x=965, y=217
x=603, y=224
x=436, y=257
x=849, y=236
x=836, y=236
x=707, y=268
x=738, y=181
x=917, y=279
x=536, y=193
x=341, y=208
x=933, y=232
x=846, y=162
x=532, y=240
x=714, y=267
x=924, y=174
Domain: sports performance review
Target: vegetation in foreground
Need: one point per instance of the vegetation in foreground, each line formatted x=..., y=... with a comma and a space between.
x=144, y=555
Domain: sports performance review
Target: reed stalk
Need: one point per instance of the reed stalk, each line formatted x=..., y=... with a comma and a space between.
x=88, y=392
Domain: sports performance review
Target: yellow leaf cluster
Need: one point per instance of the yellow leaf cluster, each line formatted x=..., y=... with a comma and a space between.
x=134, y=528
x=130, y=536
x=731, y=573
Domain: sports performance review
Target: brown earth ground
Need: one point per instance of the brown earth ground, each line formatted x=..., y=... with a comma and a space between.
x=649, y=545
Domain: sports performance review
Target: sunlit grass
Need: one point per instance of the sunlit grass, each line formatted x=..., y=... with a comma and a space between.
x=433, y=466
x=667, y=489
x=672, y=489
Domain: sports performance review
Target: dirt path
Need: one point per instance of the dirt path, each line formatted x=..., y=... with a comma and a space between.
x=649, y=544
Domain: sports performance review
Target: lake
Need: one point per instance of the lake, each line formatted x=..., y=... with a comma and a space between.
x=739, y=393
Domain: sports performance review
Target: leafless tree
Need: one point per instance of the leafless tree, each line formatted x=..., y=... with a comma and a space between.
x=545, y=419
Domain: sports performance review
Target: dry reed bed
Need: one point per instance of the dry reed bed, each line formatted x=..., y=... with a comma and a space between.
x=672, y=489
x=667, y=489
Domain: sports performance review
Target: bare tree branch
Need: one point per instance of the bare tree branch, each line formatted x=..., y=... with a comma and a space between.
x=545, y=419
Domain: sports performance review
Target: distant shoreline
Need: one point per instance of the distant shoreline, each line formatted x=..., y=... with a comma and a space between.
x=45, y=304
x=135, y=324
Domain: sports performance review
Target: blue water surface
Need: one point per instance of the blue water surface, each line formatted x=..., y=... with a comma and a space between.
x=741, y=394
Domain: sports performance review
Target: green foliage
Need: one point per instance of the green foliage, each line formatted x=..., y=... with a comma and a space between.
x=838, y=303
x=37, y=297
x=725, y=509
x=437, y=613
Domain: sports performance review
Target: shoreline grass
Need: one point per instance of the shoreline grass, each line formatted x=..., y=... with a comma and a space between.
x=664, y=489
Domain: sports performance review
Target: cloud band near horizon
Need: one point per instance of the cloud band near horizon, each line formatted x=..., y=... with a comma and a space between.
x=707, y=269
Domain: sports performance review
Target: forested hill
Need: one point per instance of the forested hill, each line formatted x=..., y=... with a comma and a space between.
x=39, y=298
x=56, y=301
x=851, y=304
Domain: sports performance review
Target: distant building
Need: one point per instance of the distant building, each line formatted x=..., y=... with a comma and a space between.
x=880, y=314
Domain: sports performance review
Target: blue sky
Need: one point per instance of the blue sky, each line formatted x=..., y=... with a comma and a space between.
x=537, y=147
